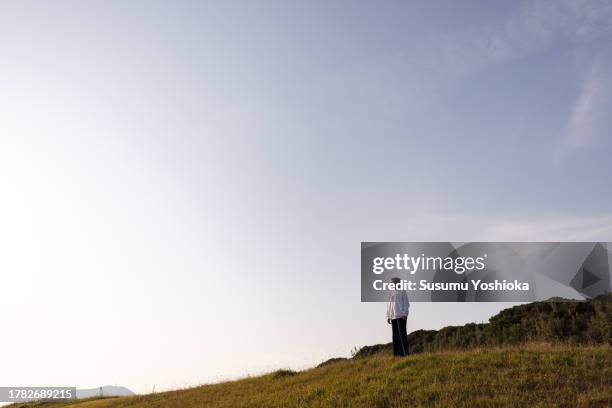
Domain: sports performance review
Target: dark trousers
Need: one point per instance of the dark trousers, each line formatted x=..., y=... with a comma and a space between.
x=400, y=337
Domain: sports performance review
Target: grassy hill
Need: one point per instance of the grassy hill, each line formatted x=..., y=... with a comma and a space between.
x=529, y=375
x=539, y=354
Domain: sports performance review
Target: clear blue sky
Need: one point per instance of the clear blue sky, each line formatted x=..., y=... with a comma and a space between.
x=184, y=185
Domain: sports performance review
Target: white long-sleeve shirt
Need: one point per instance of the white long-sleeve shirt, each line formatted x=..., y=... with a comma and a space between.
x=398, y=305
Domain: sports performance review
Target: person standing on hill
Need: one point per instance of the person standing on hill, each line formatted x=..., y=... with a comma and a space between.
x=397, y=314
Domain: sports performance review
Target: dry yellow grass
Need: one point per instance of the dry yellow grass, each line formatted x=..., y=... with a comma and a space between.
x=530, y=376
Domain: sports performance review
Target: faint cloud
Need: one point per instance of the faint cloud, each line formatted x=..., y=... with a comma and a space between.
x=471, y=228
x=535, y=27
x=582, y=127
x=559, y=229
x=540, y=25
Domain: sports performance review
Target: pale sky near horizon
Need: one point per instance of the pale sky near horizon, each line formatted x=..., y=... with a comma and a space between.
x=184, y=186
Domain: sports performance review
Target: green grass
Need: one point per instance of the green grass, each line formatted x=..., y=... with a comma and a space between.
x=534, y=375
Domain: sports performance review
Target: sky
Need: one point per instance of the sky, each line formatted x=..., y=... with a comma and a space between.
x=184, y=186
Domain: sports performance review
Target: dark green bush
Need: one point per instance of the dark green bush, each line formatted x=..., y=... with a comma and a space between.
x=588, y=322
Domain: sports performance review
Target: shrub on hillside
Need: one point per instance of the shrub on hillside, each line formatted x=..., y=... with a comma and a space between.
x=588, y=322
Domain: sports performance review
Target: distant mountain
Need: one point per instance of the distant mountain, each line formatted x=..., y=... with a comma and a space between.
x=105, y=391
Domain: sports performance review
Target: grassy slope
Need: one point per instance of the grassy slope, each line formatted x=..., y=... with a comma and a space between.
x=531, y=375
